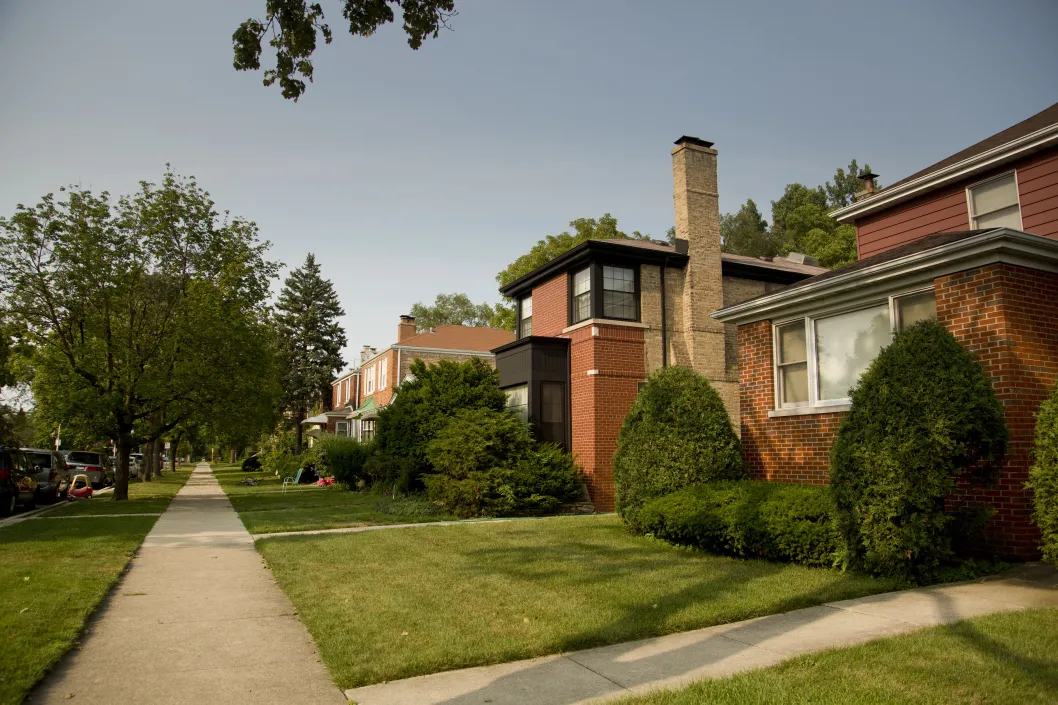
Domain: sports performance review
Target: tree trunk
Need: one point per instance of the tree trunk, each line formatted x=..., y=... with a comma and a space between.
x=173, y=448
x=231, y=455
x=147, y=471
x=298, y=418
x=121, y=473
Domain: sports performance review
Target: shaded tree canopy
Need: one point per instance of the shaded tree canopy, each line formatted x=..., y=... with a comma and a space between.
x=295, y=25
x=746, y=232
x=452, y=309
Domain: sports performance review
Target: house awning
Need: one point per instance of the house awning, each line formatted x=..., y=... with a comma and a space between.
x=318, y=419
x=367, y=410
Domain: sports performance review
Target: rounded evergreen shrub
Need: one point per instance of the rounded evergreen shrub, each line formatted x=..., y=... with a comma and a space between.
x=251, y=464
x=344, y=458
x=486, y=464
x=676, y=435
x=924, y=415
x=1043, y=477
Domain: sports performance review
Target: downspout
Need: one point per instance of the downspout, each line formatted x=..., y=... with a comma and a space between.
x=396, y=372
x=664, y=324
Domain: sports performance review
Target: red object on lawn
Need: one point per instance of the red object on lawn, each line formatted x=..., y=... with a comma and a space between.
x=80, y=487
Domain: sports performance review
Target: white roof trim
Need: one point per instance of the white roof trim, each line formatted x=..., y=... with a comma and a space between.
x=479, y=353
x=994, y=157
x=1001, y=245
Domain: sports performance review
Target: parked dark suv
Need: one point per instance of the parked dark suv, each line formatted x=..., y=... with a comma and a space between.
x=18, y=482
x=53, y=475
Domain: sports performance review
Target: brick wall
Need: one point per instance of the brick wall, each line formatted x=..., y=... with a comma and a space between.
x=550, y=307
x=782, y=449
x=1007, y=315
x=614, y=355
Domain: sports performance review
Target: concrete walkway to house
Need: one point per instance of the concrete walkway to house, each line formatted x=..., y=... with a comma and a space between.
x=198, y=618
x=612, y=672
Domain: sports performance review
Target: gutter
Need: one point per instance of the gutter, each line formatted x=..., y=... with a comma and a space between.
x=954, y=172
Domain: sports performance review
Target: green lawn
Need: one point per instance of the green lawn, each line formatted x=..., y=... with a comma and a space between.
x=266, y=508
x=392, y=604
x=54, y=573
x=1002, y=658
x=144, y=497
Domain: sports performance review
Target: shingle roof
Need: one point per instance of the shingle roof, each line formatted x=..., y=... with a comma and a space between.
x=778, y=263
x=1040, y=120
x=459, y=338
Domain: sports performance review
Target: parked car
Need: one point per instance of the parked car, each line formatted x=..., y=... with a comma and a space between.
x=18, y=482
x=53, y=475
x=135, y=464
x=96, y=466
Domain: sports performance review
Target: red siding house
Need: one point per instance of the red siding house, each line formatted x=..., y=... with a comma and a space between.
x=971, y=240
x=596, y=321
x=359, y=394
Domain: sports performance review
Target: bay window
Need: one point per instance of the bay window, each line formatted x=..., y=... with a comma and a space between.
x=518, y=401
x=819, y=359
x=618, y=293
x=581, y=295
x=525, y=317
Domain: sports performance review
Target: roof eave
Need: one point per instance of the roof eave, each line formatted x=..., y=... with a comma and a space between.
x=996, y=156
x=1001, y=244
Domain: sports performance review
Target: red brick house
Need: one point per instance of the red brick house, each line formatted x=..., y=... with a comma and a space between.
x=596, y=321
x=971, y=240
x=358, y=395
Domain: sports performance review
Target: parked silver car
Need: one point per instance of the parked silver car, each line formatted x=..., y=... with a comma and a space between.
x=53, y=475
x=97, y=466
x=135, y=464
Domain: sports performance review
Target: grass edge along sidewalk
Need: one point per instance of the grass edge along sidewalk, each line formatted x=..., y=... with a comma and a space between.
x=55, y=574
x=1010, y=657
x=387, y=605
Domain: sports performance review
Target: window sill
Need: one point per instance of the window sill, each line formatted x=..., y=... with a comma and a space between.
x=809, y=410
x=605, y=322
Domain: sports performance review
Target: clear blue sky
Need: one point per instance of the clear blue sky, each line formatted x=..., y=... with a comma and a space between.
x=412, y=173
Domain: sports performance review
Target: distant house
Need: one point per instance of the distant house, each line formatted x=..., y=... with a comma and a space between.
x=596, y=321
x=358, y=395
x=971, y=240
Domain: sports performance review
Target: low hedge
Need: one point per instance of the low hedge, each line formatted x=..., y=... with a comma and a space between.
x=749, y=518
x=344, y=458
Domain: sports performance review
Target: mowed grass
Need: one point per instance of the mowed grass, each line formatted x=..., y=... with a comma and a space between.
x=392, y=604
x=144, y=497
x=266, y=508
x=55, y=572
x=1001, y=658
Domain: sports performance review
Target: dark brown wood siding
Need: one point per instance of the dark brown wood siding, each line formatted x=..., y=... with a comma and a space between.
x=945, y=210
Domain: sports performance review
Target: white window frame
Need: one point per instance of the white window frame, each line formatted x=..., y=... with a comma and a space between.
x=369, y=381
x=383, y=374
x=814, y=402
x=341, y=428
x=997, y=177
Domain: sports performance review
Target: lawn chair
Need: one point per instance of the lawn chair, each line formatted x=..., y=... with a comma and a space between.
x=288, y=481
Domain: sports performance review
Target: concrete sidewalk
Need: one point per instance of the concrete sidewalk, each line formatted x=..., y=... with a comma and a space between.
x=612, y=672
x=198, y=618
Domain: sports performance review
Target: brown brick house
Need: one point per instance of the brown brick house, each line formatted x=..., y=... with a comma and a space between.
x=596, y=321
x=360, y=393
x=971, y=240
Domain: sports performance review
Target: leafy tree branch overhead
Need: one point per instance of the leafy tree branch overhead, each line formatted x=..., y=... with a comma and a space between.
x=292, y=28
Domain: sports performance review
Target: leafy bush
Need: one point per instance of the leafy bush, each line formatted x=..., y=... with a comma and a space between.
x=749, y=518
x=278, y=457
x=1043, y=477
x=344, y=458
x=924, y=415
x=251, y=464
x=677, y=434
x=410, y=506
x=425, y=403
x=386, y=472
x=486, y=464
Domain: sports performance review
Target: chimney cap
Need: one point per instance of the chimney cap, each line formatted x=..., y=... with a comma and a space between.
x=867, y=175
x=687, y=139
x=407, y=317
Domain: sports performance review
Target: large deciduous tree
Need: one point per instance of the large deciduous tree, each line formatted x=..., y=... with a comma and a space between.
x=451, y=309
x=310, y=340
x=293, y=26
x=142, y=313
x=746, y=233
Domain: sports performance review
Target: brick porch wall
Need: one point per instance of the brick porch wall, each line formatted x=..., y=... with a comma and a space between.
x=1006, y=315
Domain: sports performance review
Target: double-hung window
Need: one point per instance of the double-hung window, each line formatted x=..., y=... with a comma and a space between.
x=819, y=359
x=367, y=429
x=994, y=203
x=619, y=293
x=518, y=401
x=582, y=295
x=369, y=380
x=383, y=373
x=341, y=428
x=525, y=317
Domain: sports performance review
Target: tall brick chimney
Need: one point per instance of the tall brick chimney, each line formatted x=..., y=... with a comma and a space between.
x=406, y=328
x=697, y=203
